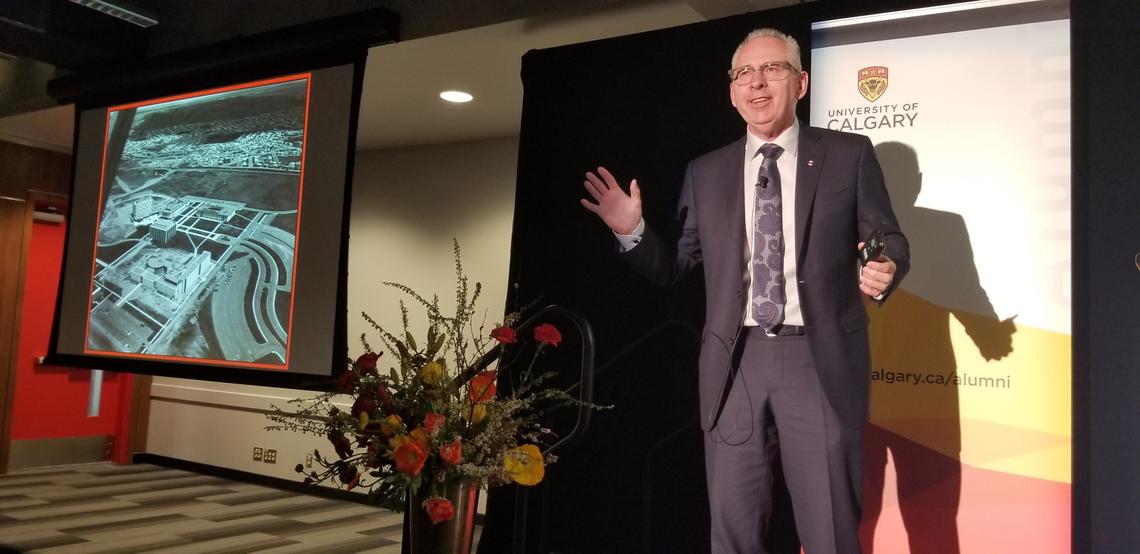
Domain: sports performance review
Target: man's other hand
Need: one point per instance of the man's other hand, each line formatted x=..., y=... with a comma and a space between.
x=620, y=211
x=876, y=277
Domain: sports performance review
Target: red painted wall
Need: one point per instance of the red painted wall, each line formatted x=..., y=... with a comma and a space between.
x=51, y=401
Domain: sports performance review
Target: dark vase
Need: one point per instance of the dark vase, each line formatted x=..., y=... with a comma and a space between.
x=446, y=537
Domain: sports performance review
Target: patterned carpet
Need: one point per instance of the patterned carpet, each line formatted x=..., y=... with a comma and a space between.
x=144, y=508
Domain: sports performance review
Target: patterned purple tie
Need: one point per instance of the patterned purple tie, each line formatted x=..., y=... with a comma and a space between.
x=768, y=243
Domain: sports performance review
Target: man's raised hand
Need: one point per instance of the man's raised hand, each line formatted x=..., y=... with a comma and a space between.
x=620, y=211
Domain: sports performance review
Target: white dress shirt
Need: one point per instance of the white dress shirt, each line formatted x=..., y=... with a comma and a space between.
x=789, y=141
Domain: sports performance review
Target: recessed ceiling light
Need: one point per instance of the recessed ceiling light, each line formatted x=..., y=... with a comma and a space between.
x=456, y=96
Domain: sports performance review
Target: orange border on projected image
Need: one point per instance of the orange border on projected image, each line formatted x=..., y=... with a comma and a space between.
x=296, y=236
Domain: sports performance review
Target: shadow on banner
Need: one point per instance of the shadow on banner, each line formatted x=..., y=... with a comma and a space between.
x=915, y=413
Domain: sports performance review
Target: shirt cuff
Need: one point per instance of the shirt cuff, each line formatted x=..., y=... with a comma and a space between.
x=628, y=242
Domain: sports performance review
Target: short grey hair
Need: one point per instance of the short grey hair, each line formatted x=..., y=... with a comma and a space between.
x=793, y=46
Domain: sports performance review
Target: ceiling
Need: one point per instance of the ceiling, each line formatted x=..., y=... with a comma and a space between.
x=447, y=44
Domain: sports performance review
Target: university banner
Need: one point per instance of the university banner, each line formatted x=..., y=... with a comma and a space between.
x=969, y=447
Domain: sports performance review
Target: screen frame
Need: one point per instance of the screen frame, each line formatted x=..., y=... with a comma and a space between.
x=201, y=79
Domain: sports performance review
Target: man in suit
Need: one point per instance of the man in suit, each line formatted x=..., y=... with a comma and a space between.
x=775, y=221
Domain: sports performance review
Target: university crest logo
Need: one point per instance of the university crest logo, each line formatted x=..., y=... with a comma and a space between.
x=872, y=82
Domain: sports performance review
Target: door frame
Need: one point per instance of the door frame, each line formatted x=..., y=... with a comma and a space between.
x=15, y=230
x=16, y=219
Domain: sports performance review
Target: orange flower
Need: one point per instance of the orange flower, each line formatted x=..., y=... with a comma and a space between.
x=433, y=422
x=524, y=464
x=483, y=387
x=409, y=458
x=439, y=509
x=451, y=453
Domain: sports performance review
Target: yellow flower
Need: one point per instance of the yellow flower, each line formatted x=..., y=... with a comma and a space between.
x=396, y=441
x=418, y=436
x=476, y=414
x=433, y=372
x=524, y=464
x=391, y=425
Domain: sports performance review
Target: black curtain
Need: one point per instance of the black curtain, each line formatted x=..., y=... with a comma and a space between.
x=642, y=106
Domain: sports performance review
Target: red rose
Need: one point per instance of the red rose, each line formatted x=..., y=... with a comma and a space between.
x=348, y=475
x=364, y=404
x=410, y=458
x=384, y=396
x=547, y=334
x=433, y=422
x=439, y=509
x=367, y=362
x=505, y=335
x=451, y=453
x=341, y=444
x=374, y=459
x=483, y=387
x=346, y=381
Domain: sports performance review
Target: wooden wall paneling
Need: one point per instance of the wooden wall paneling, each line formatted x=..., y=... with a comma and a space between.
x=23, y=168
x=15, y=229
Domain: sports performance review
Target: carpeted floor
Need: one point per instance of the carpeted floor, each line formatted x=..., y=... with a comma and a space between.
x=144, y=508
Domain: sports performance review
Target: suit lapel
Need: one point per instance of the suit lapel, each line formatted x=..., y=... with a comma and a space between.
x=733, y=197
x=808, y=169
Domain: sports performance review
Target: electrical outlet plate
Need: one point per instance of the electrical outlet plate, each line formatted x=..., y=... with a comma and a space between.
x=257, y=453
x=270, y=456
x=308, y=461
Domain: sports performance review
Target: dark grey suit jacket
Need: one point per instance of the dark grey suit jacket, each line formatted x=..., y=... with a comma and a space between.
x=840, y=199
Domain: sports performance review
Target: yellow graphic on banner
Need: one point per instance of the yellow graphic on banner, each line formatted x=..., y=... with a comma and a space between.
x=990, y=393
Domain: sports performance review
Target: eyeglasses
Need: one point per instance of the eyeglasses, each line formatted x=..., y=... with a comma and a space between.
x=771, y=71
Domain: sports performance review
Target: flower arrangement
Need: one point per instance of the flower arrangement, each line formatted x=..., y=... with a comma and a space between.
x=436, y=416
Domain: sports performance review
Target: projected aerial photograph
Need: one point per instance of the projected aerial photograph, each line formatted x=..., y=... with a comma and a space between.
x=197, y=231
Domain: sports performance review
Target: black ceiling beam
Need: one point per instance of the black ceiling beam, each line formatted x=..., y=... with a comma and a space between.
x=67, y=35
x=253, y=55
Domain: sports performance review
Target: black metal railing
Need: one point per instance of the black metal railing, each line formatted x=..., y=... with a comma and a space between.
x=585, y=388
